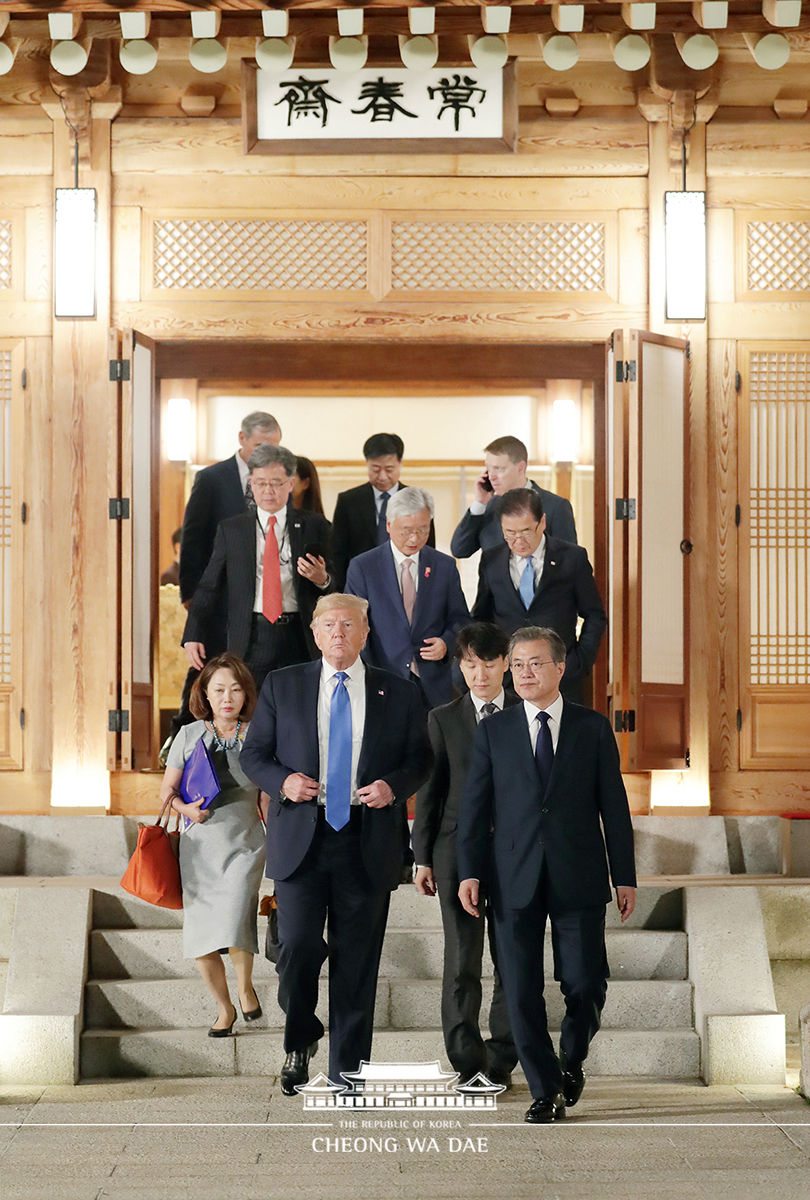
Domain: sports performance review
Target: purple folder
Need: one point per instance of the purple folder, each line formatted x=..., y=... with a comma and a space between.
x=199, y=778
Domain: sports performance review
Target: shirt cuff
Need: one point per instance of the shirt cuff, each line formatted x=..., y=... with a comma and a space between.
x=477, y=509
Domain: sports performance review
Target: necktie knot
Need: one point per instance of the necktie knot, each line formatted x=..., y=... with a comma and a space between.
x=488, y=709
x=341, y=676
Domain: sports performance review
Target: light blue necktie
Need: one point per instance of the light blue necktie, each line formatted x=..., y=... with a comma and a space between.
x=339, y=762
x=526, y=588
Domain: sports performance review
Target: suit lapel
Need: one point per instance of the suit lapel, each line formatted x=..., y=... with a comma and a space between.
x=427, y=562
x=502, y=581
x=390, y=582
x=376, y=696
x=309, y=714
x=248, y=531
x=234, y=484
x=565, y=744
x=551, y=565
x=466, y=717
x=369, y=509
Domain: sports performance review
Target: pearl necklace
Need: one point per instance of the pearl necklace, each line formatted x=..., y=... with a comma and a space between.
x=226, y=743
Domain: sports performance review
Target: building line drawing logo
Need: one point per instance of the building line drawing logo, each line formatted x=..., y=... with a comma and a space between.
x=400, y=1085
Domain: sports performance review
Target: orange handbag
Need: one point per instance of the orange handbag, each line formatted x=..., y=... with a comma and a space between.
x=153, y=873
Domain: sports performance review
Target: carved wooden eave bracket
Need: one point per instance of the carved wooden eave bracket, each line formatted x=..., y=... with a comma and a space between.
x=79, y=99
x=677, y=95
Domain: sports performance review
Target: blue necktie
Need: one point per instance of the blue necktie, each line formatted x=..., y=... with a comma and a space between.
x=382, y=532
x=339, y=763
x=526, y=588
x=544, y=750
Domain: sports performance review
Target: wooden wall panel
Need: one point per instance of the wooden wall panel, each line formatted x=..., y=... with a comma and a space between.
x=38, y=253
x=749, y=149
x=39, y=609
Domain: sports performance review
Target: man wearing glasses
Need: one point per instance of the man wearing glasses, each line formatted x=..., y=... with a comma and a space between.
x=531, y=578
x=545, y=782
x=269, y=565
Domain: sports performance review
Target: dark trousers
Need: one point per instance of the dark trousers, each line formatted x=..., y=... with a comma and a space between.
x=331, y=886
x=461, y=989
x=580, y=967
x=275, y=644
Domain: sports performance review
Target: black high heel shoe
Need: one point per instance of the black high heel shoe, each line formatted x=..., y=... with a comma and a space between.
x=254, y=1013
x=217, y=1033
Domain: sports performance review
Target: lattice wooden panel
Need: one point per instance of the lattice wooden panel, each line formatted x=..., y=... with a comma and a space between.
x=474, y=256
x=5, y=254
x=253, y=255
x=5, y=516
x=780, y=517
x=779, y=256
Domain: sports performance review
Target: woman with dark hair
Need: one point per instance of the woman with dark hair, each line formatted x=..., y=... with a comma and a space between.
x=307, y=487
x=222, y=846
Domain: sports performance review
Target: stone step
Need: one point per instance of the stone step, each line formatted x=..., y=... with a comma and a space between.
x=408, y=953
x=401, y=1004
x=114, y=1054
x=113, y=908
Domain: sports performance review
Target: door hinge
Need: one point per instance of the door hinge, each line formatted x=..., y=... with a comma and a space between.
x=24, y=512
x=626, y=371
x=24, y=378
x=118, y=720
x=22, y=718
x=687, y=759
x=625, y=509
x=738, y=382
x=119, y=370
x=737, y=514
x=688, y=350
x=119, y=508
x=625, y=721
x=739, y=719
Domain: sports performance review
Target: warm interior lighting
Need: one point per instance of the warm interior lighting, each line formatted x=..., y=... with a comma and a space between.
x=685, y=248
x=178, y=429
x=74, y=267
x=74, y=786
x=564, y=431
x=675, y=790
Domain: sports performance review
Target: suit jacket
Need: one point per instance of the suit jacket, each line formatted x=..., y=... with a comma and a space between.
x=440, y=611
x=567, y=590
x=558, y=829
x=217, y=494
x=231, y=577
x=483, y=532
x=451, y=729
x=283, y=740
x=354, y=528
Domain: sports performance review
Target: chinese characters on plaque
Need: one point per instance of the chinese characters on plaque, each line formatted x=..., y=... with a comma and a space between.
x=321, y=110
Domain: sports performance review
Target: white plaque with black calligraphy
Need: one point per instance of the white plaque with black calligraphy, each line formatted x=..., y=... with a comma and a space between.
x=317, y=110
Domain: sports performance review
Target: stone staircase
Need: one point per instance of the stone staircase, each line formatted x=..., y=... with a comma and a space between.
x=146, y=1011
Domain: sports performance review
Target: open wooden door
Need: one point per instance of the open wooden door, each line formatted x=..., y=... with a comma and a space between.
x=134, y=511
x=648, y=462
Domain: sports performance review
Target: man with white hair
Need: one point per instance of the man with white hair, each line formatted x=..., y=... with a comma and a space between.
x=338, y=747
x=415, y=601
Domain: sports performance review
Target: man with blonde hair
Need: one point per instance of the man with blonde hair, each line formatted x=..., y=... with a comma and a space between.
x=339, y=747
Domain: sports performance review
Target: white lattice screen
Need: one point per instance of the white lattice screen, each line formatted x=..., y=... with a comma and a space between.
x=475, y=255
x=232, y=254
x=779, y=256
x=780, y=511
x=5, y=254
x=5, y=517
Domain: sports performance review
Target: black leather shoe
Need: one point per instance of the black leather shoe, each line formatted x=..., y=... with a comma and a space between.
x=573, y=1083
x=296, y=1069
x=254, y=1013
x=543, y=1112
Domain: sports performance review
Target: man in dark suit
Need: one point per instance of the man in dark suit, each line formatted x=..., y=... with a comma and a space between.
x=338, y=747
x=481, y=650
x=505, y=462
x=267, y=571
x=415, y=601
x=359, y=523
x=531, y=577
x=545, y=779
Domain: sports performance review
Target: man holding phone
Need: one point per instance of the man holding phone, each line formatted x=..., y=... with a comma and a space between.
x=505, y=462
x=269, y=565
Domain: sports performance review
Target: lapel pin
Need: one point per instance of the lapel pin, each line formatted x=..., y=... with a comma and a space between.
x=427, y=572
x=381, y=692
x=553, y=562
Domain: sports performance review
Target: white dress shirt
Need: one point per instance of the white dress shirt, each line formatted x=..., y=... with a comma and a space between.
x=498, y=701
x=554, y=711
x=517, y=565
x=244, y=471
x=356, y=687
x=289, y=603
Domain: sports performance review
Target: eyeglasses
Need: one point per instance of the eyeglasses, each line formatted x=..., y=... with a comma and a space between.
x=534, y=664
x=520, y=533
x=263, y=485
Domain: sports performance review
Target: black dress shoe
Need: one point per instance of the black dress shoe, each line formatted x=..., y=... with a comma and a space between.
x=543, y=1112
x=501, y=1078
x=573, y=1083
x=254, y=1013
x=295, y=1071
x=216, y=1033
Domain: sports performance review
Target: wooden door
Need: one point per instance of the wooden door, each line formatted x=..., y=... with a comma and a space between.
x=648, y=458
x=134, y=513
x=11, y=554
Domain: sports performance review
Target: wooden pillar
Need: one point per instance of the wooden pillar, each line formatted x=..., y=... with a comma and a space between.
x=82, y=577
x=686, y=791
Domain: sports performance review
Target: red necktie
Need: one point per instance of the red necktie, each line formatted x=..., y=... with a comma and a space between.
x=271, y=574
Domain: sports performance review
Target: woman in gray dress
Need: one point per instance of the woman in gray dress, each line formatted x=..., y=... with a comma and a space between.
x=222, y=846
